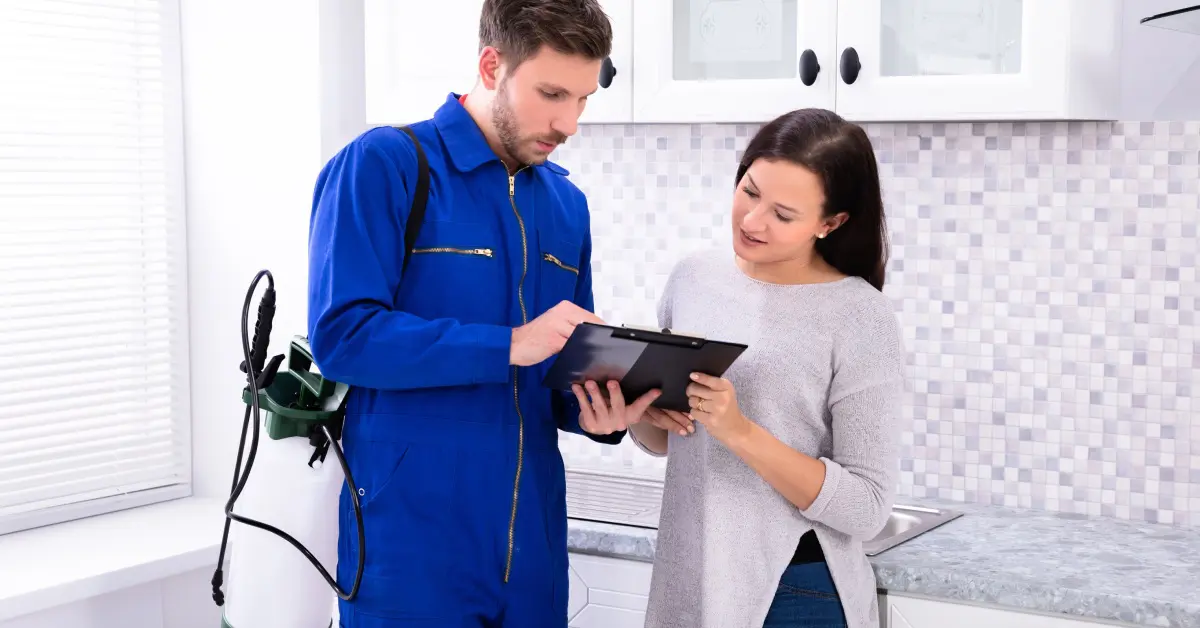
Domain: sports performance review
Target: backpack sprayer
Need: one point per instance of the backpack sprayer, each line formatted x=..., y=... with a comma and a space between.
x=271, y=587
x=304, y=414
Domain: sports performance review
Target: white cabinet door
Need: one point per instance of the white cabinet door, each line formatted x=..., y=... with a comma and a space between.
x=731, y=60
x=613, y=101
x=910, y=612
x=977, y=59
x=415, y=58
x=607, y=592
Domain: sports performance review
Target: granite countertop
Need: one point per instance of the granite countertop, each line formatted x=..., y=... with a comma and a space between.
x=1087, y=568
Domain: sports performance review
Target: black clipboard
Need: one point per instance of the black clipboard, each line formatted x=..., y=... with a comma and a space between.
x=641, y=360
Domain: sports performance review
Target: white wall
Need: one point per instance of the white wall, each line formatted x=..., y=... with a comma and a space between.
x=260, y=126
x=271, y=89
x=1160, y=69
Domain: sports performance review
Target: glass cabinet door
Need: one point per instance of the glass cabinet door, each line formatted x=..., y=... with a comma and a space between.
x=988, y=57
x=734, y=39
x=949, y=37
x=732, y=60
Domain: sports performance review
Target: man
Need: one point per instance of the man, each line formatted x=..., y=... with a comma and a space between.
x=449, y=435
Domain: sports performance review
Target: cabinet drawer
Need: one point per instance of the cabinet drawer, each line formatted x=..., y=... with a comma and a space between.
x=607, y=592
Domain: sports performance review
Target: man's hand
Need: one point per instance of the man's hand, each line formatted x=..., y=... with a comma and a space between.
x=603, y=412
x=545, y=335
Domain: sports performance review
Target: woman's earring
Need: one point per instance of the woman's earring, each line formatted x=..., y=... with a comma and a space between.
x=820, y=235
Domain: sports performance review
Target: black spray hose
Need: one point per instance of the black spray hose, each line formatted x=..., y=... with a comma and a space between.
x=258, y=378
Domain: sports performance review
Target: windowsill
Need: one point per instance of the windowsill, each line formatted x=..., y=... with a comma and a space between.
x=67, y=562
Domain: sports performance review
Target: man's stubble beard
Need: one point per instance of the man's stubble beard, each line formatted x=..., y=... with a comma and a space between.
x=509, y=134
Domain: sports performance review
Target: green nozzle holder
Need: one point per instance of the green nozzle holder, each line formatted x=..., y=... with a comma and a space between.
x=294, y=403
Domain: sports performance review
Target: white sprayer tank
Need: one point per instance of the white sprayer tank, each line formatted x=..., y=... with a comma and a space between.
x=270, y=583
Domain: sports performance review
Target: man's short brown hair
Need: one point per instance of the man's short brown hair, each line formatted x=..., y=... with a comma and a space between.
x=519, y=28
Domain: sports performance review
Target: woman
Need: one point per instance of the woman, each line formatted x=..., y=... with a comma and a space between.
x=793, y=464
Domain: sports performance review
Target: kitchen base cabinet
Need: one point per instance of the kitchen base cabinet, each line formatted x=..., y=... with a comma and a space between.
x=613, y=593
x=896, y=611
x=607, y=592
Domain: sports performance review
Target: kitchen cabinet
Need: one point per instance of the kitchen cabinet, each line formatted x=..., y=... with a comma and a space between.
x=607, y=592
x=613, y=101
x=870, y=60
x=896, y=611
x=414, y=59
x=978, y=59
x=747, y=61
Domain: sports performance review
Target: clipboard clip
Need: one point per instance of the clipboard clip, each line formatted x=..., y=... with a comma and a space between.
x=663, y=337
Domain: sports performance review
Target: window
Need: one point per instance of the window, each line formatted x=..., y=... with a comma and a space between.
x=94, y=408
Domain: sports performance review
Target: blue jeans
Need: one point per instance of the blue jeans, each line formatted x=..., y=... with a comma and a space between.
x=806, y=598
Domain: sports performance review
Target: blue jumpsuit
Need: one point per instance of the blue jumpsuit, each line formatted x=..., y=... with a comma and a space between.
x=454, y=451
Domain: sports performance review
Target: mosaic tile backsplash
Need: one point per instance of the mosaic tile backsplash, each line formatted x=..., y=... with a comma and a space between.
x=1044, y=273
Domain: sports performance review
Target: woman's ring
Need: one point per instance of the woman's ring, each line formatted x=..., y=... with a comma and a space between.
x=700, y=405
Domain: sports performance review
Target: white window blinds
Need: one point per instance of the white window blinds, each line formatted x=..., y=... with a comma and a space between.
x=93, y=327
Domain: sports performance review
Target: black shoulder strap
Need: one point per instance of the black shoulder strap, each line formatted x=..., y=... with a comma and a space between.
x=416, y=214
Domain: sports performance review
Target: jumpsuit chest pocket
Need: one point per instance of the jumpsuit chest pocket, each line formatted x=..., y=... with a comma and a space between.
x=559, y=267
x=456, y=271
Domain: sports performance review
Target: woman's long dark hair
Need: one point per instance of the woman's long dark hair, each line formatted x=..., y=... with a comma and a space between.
x=840, y=154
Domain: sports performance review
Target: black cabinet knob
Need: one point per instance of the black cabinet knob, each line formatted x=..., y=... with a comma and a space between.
x=850, y=66
x=607, y=72
x=809, y=68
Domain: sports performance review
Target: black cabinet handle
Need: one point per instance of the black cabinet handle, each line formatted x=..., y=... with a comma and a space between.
x=607, y=72
x=809, y=68
x=850, y=66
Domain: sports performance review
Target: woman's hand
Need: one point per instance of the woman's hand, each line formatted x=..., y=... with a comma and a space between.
x=669, y=420
x=714, y=405
x=600, y=416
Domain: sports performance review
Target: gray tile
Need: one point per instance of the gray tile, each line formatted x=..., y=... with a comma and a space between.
x=1044, y=273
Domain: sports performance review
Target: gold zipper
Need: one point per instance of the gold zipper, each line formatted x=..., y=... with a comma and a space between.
x=549, y=257
x=445, y=249
x=512, y=521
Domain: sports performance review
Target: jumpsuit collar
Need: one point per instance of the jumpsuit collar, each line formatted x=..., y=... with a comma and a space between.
x=464, y=139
